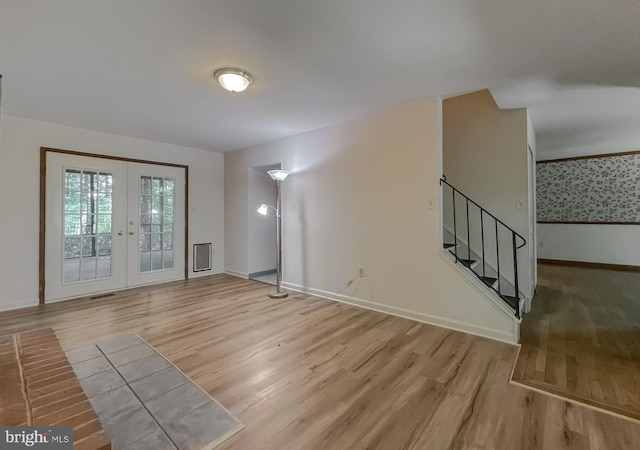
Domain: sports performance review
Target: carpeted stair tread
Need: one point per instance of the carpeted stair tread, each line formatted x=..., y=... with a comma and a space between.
x=512, y=301
x=467, y=262
x=489, y=281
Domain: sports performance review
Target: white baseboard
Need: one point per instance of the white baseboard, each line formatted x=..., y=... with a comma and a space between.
x=236, y=273
x=451, y=324
x=19, y=305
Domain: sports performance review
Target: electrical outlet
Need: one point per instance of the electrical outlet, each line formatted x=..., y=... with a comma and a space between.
x=360, y=271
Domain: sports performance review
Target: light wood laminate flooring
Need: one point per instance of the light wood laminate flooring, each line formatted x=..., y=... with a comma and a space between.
x=309, y=373
x=582, y=337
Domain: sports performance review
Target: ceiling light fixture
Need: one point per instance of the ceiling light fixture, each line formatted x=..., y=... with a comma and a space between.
x=233, y=80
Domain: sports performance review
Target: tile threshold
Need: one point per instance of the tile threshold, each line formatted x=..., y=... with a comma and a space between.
x=155, y=391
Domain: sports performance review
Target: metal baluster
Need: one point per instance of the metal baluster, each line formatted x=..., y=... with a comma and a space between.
x=498, y=257
x=455, y=233
x=482, y=237
x=515, y=273
x=468, y=235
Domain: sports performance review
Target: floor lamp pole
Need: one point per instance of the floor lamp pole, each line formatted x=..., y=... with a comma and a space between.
x=279, y=293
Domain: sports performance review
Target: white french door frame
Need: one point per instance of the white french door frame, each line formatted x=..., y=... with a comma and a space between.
x=43, y=206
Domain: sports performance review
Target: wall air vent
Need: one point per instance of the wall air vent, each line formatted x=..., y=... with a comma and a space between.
x=202, y=257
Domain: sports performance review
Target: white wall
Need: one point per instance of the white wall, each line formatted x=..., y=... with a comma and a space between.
x=606, y=244
x=262, y=229
x=485, y=157
x=357, y=196
x=19, y=183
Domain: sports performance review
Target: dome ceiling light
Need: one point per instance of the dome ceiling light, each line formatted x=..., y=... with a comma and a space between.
x=233, y=80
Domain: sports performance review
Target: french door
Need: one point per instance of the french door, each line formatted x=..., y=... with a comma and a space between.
x=111, y=225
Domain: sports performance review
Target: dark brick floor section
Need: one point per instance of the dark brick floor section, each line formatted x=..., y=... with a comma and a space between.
x=13, y=410
x=54, y=395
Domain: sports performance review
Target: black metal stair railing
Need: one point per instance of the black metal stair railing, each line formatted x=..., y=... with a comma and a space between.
x=498, y=282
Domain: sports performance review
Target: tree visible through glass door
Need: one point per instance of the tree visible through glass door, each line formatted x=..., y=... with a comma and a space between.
x=87, y=225
x=156, y=223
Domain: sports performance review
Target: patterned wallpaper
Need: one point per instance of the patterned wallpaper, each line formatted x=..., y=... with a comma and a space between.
x=603, y=189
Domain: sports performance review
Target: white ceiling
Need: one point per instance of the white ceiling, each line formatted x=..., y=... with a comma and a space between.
x=143, y=68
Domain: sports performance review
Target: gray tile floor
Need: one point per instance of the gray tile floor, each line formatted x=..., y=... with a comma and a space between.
x=144, y=402
x=269, y=279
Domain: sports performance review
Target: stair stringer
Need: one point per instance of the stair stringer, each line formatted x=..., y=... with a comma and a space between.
x=487, y=294
x=508, y=277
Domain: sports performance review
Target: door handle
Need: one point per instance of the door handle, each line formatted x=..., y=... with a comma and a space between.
x=120, y=233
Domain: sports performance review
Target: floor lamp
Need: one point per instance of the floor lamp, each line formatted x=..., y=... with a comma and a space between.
x=278, y=176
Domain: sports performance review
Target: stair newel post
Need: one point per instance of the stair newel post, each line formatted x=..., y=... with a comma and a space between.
x=515, y=273
x=498, y=256
x=455, y=234
x=482, y=238
x=468, y=234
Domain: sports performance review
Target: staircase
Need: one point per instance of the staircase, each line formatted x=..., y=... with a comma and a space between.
x=483, y=245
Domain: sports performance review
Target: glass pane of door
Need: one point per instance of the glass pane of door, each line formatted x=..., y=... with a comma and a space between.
x=87, y=225
x=156, y=232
